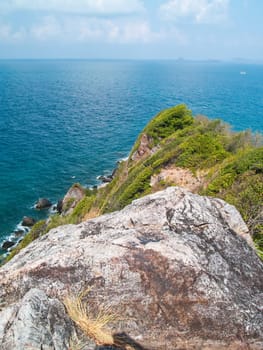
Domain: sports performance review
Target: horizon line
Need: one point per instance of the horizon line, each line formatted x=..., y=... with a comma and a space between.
x=179, y=59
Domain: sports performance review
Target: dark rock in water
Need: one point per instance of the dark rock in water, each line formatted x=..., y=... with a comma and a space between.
x=19, y=233
x=60, y=206
x=178, y=267
x=28, y=221
x=105, y=179
x=43, y=203
x=7, y=244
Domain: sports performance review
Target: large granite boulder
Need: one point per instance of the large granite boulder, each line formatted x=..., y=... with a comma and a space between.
x=180, y=269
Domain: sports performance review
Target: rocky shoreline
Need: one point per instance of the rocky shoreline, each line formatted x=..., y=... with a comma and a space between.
x=44, y=204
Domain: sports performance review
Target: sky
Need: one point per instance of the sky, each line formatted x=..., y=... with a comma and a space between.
x=132, y=29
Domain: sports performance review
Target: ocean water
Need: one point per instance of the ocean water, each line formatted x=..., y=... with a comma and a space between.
x=64, y=121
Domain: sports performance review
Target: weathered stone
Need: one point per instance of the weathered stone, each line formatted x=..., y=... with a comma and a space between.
x=28, y=221
x=36, y=322
x=43, y=203
x=179, y=268
x=144, y=148
x=71, y=199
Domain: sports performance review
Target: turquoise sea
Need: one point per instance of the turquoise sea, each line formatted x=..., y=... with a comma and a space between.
x=65, y=121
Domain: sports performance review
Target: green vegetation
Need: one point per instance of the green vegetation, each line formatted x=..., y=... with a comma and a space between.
x=231, y=164
x=77, y=215
x=201, y=151
x=239, y=181
x=167, y=121
x=231, y=161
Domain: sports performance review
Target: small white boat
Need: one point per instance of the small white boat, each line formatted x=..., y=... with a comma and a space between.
x=243, y=72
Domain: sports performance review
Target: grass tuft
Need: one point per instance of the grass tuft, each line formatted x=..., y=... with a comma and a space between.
x=92, y=326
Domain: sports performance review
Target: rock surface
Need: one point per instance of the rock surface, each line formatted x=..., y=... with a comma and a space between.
x=43, y=203
x=71, y=199
x=105, y=179
x=36, y=322
x=19, y=233
x=144, y=148
x=7, y=244
x=28, y=221
x=179, y=268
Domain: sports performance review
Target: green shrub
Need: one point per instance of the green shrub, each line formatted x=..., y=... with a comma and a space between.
x=240, y=182
x=75, y=217
x=244, y=161
x=67, y=205
x=165, y=124
x=129, y=188
x=81, y=209
x=201, y=151
x=137, y=188
x=168, y=121
x=55, y=221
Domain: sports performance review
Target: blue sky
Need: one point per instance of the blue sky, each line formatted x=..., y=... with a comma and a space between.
x=136, y=29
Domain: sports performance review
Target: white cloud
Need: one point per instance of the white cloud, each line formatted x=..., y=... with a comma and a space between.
x=99, y=7
x=48, y=29
x=134, y=32
x=83, y=29
x=7, y=34
x=177, y=36
x=202, y=11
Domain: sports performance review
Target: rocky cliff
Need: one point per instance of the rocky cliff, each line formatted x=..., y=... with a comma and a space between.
x=178, y=268
x=175, y=149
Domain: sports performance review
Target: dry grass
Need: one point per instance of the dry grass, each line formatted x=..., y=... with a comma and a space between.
x=92, y=326
x=95, y=327
x=93, y=213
